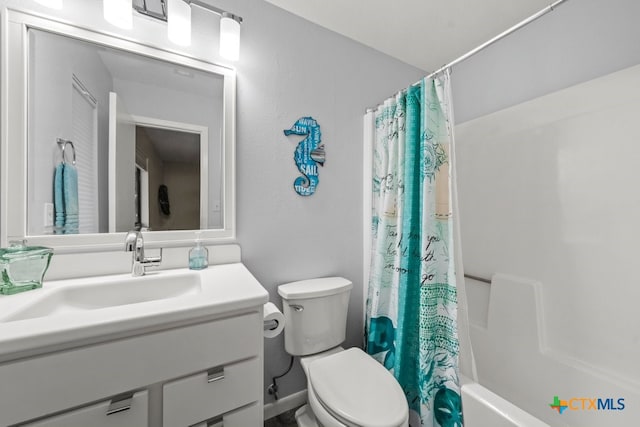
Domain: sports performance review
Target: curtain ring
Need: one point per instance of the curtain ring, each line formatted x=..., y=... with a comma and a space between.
x=62, y=143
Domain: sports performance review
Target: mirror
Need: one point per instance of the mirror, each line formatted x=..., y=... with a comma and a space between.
x=118, y=136
x=159, y=121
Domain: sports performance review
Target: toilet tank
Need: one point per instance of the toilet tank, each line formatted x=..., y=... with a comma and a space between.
x=315, y=312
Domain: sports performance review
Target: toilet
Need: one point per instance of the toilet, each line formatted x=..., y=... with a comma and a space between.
x=345, y=388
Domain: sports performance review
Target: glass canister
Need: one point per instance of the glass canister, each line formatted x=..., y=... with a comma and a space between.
x=23, y=267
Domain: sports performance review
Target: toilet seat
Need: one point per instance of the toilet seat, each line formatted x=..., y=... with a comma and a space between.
x=320, y=412
x=355, y=390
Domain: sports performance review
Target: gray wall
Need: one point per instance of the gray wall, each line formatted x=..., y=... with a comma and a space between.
x=290, y=68
x=578, y=41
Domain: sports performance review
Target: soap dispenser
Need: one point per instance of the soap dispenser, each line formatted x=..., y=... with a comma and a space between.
x=198, y=255
x=22, y=267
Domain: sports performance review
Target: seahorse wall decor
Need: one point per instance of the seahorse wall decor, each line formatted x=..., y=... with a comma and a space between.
x=308, y=155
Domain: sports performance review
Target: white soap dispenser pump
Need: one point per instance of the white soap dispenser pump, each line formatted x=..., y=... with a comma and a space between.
x=198, y=255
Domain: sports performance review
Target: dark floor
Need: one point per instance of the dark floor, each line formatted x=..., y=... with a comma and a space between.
x=286, y=419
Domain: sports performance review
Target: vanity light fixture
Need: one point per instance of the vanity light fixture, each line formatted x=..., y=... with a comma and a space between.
x=177, y=15
x=53, y=4
x=230, y=36
x=179, y=22
x=118, y=13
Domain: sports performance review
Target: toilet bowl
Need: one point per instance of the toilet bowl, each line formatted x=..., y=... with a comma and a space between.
x=345, y=388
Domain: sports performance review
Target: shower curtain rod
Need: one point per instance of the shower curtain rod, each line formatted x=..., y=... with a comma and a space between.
x=488, y=43
x=502, y=35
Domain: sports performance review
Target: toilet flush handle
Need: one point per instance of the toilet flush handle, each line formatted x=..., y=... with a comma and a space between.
x=297, y=307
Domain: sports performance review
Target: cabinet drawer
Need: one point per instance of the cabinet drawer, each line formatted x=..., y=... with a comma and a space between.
x=211, y=393
x=99, y=415
x=248, y=416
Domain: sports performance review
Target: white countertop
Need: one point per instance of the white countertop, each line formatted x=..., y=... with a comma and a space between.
x=217, y=291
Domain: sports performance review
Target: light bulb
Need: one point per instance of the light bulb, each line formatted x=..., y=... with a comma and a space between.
x=179, y=22
x=118, y=13
x=229, y=37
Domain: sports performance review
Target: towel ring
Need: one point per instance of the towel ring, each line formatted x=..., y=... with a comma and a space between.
x=62, y=143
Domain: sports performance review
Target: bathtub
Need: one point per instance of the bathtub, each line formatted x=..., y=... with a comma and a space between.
x=482, y=408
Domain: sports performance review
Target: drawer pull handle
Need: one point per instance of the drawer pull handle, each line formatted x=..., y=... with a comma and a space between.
x=214, y=375
x=119, y=404
x=216, y=422
x=213, y=422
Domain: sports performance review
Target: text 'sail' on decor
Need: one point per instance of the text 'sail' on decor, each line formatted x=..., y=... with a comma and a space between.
x=308, y=155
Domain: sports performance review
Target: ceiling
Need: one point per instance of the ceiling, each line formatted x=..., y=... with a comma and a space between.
x=174, y=146
x=425, y=33
x=151, y=72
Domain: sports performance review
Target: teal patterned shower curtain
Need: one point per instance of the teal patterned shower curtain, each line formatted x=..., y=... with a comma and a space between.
x=411, y=313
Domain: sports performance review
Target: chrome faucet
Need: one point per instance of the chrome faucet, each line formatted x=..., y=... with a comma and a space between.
x=134, y=242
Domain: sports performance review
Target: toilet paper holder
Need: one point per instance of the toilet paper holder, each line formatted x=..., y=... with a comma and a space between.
x=273, y=320
x=271, y=324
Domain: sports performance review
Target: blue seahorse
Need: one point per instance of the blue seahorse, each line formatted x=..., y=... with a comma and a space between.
x=308, y=155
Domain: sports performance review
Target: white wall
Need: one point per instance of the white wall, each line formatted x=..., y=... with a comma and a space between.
x=289, y=68
x=553, y=198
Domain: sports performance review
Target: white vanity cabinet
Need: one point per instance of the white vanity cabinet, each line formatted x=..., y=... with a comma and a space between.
x=207, y=373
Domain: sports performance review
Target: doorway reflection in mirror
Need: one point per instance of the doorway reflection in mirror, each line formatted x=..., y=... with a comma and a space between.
x=78, y=90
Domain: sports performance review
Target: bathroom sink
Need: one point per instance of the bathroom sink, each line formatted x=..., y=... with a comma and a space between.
x=102, y=293
x=76, y=312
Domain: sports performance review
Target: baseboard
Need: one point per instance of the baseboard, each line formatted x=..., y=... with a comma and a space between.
x=285, y=403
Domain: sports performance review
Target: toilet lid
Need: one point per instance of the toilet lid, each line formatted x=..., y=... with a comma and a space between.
x=357, y=389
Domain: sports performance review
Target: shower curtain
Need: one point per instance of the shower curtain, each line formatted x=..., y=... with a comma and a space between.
x=411, y=324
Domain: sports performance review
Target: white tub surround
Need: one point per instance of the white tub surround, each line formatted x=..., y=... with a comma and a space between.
x=549, y=191
x=527, y=371
x=483, y=408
